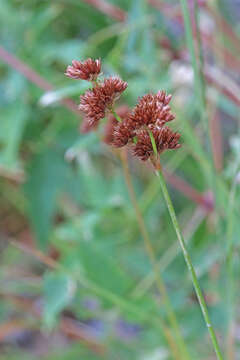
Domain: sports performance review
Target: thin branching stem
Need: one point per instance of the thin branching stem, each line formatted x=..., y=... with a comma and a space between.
x=186, y=255
x=150, y=251
x=116, y=115
x=189, y=265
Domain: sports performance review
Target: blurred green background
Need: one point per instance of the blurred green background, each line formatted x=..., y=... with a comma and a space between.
x=75, y=279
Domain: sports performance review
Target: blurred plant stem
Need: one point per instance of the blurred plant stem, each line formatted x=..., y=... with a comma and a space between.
x=172, y=252
x=230, y=353
x=197, y=76
x=108, y=9
x=189, y=264
x=219, y=59
x=150, y=251
x=199, y=81
x=230, y=281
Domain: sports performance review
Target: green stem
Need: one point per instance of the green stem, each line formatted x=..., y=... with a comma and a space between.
x=153, y=143
x=200, y=52
x=197, y=76
x=189, y=265
x=199, y=85
x=151, y=254
x=230, y=267
x=116, y=115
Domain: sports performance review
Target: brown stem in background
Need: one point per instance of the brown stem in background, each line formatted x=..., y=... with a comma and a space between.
x=186, y=189
x=198, y=216
x=34, y=77
x=140, y=220
x=108, y=9
x=222, y=83
x=230, y=351
x=47, y=260
x=230, y=60
x=226, y=28
x=10, y=327
x=67, y=325
x=216, y=137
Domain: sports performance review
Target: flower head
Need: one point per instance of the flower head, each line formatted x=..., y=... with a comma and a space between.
x=151, y=111
x=144, y=128
x=123, y=112
x=96, y=101
x=87, y=70
x=124, y=132
x=86, y=126
x=165, y=139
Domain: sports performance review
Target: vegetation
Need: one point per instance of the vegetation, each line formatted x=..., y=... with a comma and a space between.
x=90, y=264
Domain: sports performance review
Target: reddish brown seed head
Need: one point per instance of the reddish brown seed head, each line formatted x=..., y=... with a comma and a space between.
x=87, y=70
x=86, y=126
x=151, y=110
x=165, y=139
x=124, y=132
x=96, y=101
x=123, y=112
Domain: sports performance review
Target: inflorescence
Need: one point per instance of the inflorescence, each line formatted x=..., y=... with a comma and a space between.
x=143, y=128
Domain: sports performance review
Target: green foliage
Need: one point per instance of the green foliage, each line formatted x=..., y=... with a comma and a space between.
x=58, y=291
x=49, y=174
x=11, y=135
x=103, y=270
x=70, y=241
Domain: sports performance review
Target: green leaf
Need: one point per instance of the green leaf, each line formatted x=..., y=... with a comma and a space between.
x=102, y=269
x=48, y=175
x=12, y=125
x=58, y=292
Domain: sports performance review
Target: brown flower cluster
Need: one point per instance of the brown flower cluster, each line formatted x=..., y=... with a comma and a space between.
x=150, y=114
x=96, y=101
x=165, y=139
x=139, y=128
x=87, y=70
x=151, y=111
x=123, y=112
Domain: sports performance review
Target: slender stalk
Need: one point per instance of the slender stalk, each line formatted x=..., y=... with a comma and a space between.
x=199, y=84
x=215, y=127
x=116, y=115
x=150, y=251
x=172, y=252
x=200, y=53
x=199, y=81
x=230, y=269
x=189, y=265
x=108, y=9
x=197, y=77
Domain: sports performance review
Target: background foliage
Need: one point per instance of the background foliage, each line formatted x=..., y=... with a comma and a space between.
x=75, y=279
